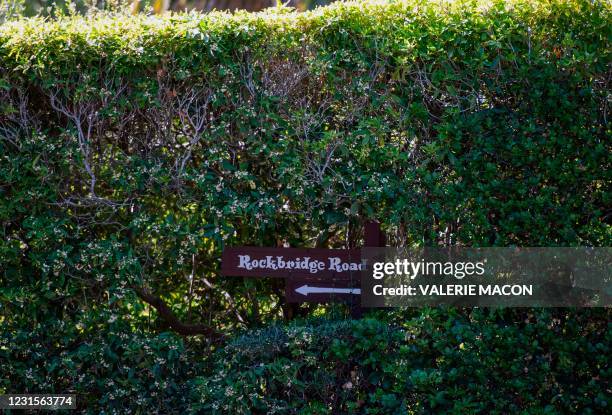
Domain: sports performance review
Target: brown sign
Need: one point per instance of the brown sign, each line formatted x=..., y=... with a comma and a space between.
x=311, y=274
x=342, y=264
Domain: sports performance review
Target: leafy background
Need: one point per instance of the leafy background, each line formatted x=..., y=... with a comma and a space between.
x=134, y=148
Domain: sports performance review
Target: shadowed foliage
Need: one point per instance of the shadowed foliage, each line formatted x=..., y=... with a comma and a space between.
x=134, y=148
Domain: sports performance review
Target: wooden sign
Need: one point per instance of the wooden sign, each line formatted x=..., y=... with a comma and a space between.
x=312, y=274
x=291, y=262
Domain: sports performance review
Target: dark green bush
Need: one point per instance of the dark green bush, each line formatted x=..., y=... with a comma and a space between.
x=132, y=149
x=439, y=362
x=112, y=369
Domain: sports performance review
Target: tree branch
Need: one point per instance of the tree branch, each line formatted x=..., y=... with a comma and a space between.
x=173, y=321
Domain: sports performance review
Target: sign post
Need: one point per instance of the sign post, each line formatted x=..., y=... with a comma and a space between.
x=311, y=275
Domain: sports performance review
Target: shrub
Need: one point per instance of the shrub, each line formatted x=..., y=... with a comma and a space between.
x=112, y=370
x=441, y=361
x=134, y=148
x=482, y=124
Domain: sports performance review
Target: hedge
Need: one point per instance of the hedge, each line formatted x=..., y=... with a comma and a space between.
x=134, y=148
x=440, y=361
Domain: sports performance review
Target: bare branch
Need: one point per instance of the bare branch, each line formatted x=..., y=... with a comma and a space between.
x=84, y=114
x=192, y=109
x=173, y=321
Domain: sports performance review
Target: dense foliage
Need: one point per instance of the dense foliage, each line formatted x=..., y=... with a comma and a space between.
x=439, y=361
x=134, y=148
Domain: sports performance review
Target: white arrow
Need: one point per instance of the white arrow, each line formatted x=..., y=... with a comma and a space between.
x=305, y=290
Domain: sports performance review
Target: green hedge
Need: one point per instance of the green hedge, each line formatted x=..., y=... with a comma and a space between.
x=486, y=122
x=441, y=361
x=134, y=148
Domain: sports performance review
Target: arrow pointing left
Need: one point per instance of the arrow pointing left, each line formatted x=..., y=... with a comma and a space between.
x=306, y=289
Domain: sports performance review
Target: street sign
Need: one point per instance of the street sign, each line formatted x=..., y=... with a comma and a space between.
x=291, y=262
x=313, y=275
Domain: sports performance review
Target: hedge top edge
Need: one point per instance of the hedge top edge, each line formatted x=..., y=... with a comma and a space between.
x=28, y=31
